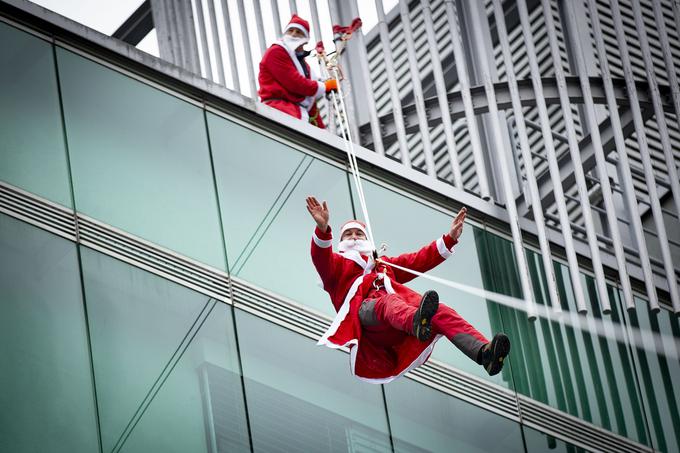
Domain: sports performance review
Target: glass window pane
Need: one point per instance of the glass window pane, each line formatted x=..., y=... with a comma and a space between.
x=32, y=153
x=405, y=226
x=538, y=442
x=165, y=362
x=302, y=397
x=573, y=368
x=47, y=397
x=424, y=419
x=146, y=153
x=262, y=187
x=658, y=374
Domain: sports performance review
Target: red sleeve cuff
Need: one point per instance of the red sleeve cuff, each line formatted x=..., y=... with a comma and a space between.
x=323, y=236
x=449, y=241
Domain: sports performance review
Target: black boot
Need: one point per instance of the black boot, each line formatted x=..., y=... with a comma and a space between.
x=422, y=320
x=492, y=355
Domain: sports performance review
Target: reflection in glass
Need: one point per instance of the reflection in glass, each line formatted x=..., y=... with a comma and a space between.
x=302, y=397
x=423, y=419
x=140, y=159
x=32, y=152
x=267, y=228
x=572, y=369
x=538, y=442
x=164, y=360
x=659, y=374
x=47, y=396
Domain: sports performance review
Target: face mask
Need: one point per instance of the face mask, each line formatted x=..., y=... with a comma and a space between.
x=293, y=43
x=358, y=245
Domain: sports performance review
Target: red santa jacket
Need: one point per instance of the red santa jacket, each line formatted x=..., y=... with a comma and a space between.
x=348, y=277
x=284, y=85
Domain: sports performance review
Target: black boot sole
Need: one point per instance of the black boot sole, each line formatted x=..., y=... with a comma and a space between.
x=500, y=348
x=422, y=320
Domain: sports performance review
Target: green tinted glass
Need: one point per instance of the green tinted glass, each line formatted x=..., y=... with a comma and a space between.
x=140, y=159
x=658, y=374
x=405, y=226
x=32, y=153
x=538, y=442
x=47, y=396
x=262, y=188
x=302, y=397
x=578, y=369
x=424, y=419
x=165, y=362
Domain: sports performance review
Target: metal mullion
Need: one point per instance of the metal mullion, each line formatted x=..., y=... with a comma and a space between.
x=646, y=163
x=260, y=26
x=601, y=163
x=417, y=88
x=369, y=99
x=555, y=177
x=316, y=24
x=293, y=6
x=440, y=87
x=276, y=17
x=204, y=39
x=464, y=82
x=216, y=42
x=575, y=154
x=246, y=44
x=230, y=45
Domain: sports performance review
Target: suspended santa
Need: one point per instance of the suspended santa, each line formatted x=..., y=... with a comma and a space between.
x=390, y=328
x=285, y=79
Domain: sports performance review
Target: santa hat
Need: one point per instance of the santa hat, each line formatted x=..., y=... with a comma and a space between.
x=298, y=23
x=353, y=224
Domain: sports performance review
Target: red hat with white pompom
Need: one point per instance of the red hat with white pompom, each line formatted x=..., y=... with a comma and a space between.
x=299, y=23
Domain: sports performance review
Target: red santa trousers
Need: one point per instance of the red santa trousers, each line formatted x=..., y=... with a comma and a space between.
x=381, y=310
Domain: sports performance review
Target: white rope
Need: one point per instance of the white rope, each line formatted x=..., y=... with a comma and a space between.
x=652, y=342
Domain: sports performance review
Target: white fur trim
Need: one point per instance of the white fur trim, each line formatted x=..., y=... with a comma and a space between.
x=321, y=90
x=441, y=248
x=341, y=315
x=349, y=225
x=298, y=27
x=323, y=243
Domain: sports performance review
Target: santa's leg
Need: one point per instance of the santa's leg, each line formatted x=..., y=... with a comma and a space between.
x=470, y=341
x=393, y=310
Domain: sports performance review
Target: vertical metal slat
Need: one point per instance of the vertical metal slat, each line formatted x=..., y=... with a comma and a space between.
x=464, y=81
x=601, y=163
x=623, y=166
x=553, y=168
x=228, y=33
x=546, y=255
x=260, y=27
x=276, y=17
x=440, y=86
x=575, y=154
x=397, y=112
x=416, y=86
x=246, y=44
x=204, y=39
x=216, y=41
x=643, y=147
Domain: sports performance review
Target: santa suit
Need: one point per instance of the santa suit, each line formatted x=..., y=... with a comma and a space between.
x=285, y=86
x=383, y=352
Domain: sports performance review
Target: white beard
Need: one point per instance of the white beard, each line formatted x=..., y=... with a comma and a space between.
x=293, y=43
x=357, y=245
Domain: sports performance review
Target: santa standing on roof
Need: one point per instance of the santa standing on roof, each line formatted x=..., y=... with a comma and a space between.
x=285, y=78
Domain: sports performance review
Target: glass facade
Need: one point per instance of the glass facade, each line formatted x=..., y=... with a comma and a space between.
x=108, y=356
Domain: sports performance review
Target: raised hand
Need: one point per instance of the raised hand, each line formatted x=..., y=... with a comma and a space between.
x=319, y=213
x=457, y=225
